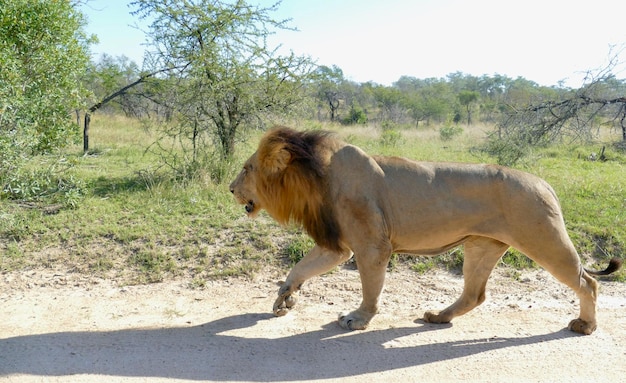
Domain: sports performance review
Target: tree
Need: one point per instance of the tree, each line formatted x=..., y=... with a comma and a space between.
x=43, y=53
x=430, y=100
x=554, y=114
x=224, y=76
x=573, y=112
x=329, y=81
x=467, y=98
x=109, y=74
x=390, y=101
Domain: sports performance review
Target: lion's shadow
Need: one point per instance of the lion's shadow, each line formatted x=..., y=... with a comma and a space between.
x=208, y=352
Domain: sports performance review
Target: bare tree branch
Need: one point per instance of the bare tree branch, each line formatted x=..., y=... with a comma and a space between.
x=124, y=89
x=112, y=96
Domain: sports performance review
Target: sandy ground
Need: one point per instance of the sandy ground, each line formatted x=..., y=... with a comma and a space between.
x=59, y=328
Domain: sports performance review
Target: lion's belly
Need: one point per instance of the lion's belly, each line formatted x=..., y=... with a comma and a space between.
x=426, y=247
x=443, y=220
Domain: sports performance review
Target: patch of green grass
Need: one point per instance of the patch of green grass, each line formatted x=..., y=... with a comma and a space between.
x=451, y=260
x=299, y=245
x=152, y=265
x=101, y=265
x=11, y=257
x=127, y=203
x=423, y=266
x=517, y=260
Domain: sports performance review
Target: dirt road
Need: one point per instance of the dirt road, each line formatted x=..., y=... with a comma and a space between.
x=56, y=328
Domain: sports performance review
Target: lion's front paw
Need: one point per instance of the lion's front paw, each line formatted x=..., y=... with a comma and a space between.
x=284, y=302
x=582, y=327
x=431, y=317
x=356, y=320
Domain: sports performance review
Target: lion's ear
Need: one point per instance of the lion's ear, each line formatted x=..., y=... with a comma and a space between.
x=277, y=161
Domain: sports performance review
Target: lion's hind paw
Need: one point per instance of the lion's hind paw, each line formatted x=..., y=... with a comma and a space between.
x=431, y=317
x=582, y=327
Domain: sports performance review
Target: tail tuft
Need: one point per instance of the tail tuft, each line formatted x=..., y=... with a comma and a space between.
x=614, y=265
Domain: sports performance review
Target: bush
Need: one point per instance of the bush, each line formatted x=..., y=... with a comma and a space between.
x=44, y=184
x=390, y=137
x=43, y=53
x=449, y=131
x=506, y=152
x=357, y=116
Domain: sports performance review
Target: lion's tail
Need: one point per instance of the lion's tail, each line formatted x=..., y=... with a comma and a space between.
x=614, y=265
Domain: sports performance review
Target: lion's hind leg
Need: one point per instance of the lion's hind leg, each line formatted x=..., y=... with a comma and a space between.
x=588, y=294
x=559, y=258
x=481, y=256
x=585, y=286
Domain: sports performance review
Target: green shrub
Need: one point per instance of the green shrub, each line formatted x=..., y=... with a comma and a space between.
x=517, y=260
x=390, y=138
x=449, y=131
x=356, y=116
x=506, y=152
x=48, y=184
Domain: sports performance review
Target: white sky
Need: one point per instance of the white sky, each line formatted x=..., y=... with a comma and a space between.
x=380, y=40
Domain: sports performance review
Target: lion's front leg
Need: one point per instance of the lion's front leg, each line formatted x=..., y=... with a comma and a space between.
x=372, y=267
x=356, y=320
x=316, y=262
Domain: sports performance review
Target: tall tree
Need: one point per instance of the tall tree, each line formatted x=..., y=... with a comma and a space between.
x=224, y=75
x=467, y=99
x=429, y=102
x=390, y=102
x=329, y=81
x=43, y=54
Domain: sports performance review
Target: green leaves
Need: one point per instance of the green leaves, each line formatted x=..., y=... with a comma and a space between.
x=223, y=79
x=43, y=52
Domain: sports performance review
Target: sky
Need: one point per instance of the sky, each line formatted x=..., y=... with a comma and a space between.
x=545, y=41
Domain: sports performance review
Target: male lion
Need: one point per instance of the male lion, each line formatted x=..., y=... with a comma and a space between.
x=353, y=203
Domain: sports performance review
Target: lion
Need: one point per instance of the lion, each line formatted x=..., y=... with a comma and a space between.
x=354, y=204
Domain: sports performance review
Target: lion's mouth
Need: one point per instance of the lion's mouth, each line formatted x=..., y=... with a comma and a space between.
x=250, y=207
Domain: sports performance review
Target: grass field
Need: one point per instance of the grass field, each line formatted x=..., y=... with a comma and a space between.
x=131, y=222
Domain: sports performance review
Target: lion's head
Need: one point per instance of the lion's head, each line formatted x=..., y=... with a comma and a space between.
x=286, y=176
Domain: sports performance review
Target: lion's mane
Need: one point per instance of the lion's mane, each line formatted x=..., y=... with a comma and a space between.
x=292, y=182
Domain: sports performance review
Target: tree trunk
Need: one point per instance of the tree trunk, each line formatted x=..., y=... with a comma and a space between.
x=86, y=133
x=194, y=139
x=623, y=122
